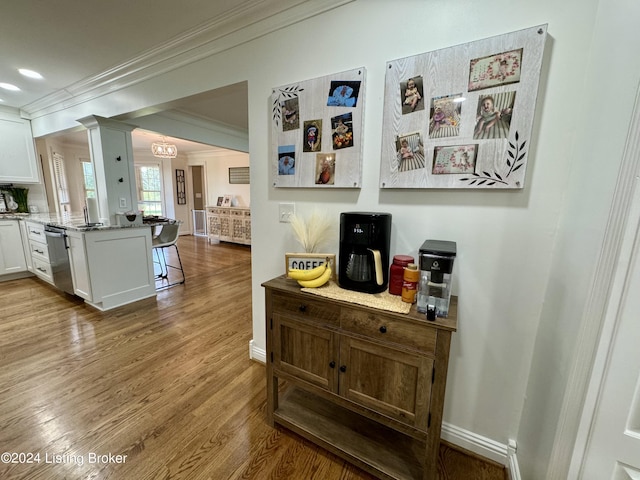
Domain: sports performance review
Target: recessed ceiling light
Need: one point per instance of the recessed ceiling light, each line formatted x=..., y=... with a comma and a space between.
x=29, y=73
x=9, y=86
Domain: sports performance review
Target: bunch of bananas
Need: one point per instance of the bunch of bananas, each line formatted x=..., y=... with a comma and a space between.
x=313, y=278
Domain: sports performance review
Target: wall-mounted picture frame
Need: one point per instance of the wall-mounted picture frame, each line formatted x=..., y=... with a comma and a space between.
x=465, y=114
x=181, y=189
x=318, y=118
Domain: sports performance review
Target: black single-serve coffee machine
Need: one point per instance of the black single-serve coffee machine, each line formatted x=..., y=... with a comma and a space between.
x=364, y=251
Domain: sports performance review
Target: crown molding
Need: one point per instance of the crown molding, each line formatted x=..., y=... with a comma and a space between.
x=239, y=25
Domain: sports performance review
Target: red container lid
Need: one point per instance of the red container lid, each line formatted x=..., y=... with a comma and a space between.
x=403, y=260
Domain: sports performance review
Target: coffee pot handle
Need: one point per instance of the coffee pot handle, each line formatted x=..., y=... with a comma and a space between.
x=377, y=260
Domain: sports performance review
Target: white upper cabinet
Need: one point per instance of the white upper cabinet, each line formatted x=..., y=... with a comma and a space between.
x=17, y=151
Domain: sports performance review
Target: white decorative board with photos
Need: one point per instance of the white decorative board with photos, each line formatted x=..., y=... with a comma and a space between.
x=316, y=132
x=462, y=117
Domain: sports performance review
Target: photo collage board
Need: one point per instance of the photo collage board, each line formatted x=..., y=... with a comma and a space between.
x=461, y=117
x=316, y=133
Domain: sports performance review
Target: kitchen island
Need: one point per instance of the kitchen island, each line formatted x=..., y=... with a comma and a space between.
x=110, y=265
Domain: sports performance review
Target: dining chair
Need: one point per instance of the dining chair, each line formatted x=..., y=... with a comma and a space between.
x=166, y=238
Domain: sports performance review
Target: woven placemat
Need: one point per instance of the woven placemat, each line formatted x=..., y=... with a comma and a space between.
x=382, y=301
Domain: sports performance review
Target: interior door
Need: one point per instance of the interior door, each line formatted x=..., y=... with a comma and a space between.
x=614, y=445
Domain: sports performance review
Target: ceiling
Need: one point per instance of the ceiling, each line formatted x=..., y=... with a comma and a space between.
x=75, y=43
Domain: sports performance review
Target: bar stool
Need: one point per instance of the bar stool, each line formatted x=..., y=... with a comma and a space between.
x=166, y=238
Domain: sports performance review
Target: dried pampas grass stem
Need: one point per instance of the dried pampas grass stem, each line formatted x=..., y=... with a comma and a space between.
x=312, y=232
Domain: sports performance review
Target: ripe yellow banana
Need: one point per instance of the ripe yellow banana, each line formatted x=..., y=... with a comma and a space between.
x=317, y=282
x=312, y=274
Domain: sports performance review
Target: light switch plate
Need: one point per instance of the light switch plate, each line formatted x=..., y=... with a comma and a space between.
x=285, y=212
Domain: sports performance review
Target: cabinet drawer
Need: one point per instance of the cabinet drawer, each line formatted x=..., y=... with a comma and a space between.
x=305, y=308
x=42, y=270
x=35, y=232
x=389, y=329
x=39, y=251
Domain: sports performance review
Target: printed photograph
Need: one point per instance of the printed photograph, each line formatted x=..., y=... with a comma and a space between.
x=290, y=115
x=287, y=160
x=342, y=127
x=493, y=115
x=325, y=169
x=312, y=140
x=454, y=159
x=444, y=116
x=412, y=93
x=493, y=70
x=410, y=152
x=343, y=93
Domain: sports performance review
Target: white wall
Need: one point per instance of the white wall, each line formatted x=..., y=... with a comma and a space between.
x=216, y=168
x=525, y=257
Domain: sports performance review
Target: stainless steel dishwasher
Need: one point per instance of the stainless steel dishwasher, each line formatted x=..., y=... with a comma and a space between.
x=59, y=257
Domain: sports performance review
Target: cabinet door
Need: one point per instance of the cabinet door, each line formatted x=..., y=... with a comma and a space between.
x=387, y=380
x=305, y=351
x=225, y=226
x=18, y=162
x=79, y=265
x=12, y=258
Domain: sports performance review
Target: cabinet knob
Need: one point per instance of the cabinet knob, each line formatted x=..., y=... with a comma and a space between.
x=118, y=158
x=383, y=329
x=332, y=364
x=343, y=368
x=121, y=180
x=302, y=308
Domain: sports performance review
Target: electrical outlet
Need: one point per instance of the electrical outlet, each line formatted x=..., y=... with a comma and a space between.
x=286, y=210
x=123, y=202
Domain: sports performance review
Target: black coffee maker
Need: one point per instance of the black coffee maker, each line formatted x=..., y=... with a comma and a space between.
x=364, y=251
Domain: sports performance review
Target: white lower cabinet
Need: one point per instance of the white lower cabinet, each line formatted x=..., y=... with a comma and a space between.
x=112, y=267
x=38, y=251
x=79, y=265
x=12, y=259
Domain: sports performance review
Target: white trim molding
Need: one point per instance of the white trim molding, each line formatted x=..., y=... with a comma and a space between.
x=513, y=469
x=483, y=446
x=256, y=353
x=246, y=22
x=579, y=403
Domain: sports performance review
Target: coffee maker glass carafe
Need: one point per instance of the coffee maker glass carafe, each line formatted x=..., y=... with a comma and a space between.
x=364, y=251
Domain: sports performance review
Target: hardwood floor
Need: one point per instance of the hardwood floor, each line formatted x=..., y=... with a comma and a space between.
x=164, y=386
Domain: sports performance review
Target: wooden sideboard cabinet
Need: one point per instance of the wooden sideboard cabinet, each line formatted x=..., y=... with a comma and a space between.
x=365, y=384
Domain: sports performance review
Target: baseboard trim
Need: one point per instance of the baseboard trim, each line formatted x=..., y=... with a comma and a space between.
x=483, y=446
x=256, y=353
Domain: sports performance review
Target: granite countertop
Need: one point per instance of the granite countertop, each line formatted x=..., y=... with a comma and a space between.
x=75, y=221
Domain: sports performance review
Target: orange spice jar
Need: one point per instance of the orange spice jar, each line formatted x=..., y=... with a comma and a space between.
x=410, y=283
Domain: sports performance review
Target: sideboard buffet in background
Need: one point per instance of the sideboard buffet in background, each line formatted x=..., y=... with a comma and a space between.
x=229, y=224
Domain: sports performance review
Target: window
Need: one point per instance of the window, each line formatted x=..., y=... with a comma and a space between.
x=149, y=184
x=89, y=178
x=60, y=178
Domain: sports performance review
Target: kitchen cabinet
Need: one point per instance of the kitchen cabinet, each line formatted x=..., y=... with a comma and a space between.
x=229, y=224
x=79, y=265
x=12, y=259
x=113, y=266
x=367, y=385
x=39, y=251
x=18, y=162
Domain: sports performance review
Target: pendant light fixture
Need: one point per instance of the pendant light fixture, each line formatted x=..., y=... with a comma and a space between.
x=163, y=149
